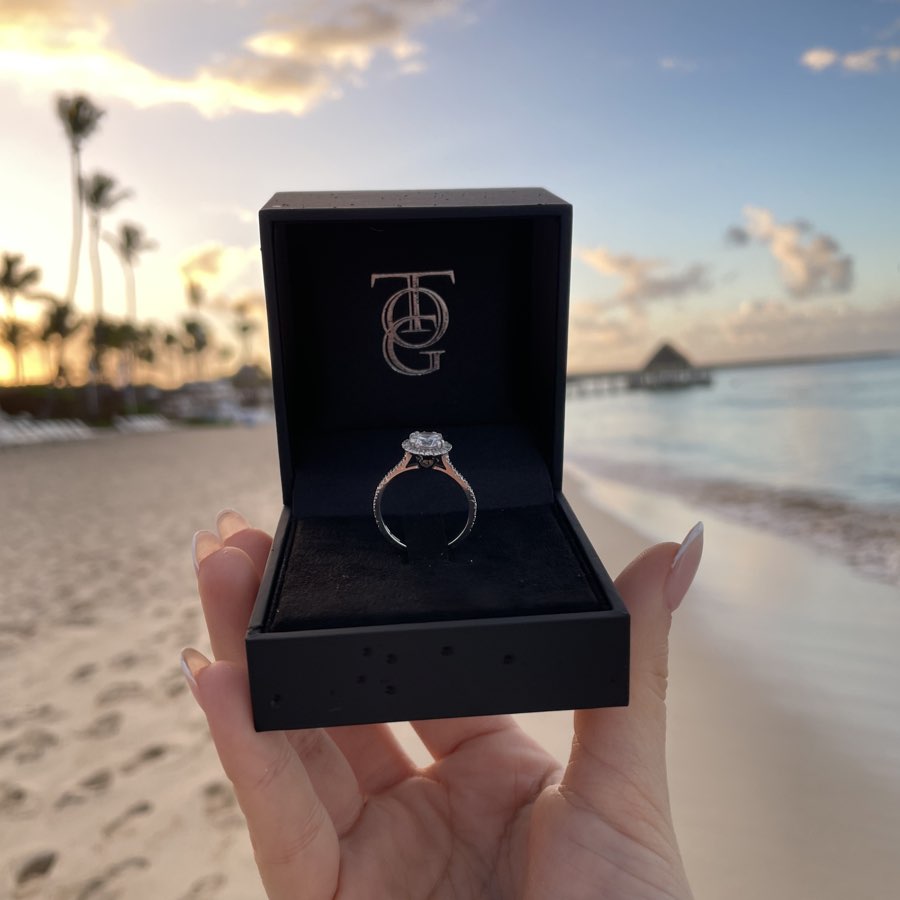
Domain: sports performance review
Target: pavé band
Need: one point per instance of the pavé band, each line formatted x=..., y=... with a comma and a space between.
x=425, y=450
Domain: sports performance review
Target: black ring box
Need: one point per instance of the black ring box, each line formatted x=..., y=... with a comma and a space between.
x=391, y=312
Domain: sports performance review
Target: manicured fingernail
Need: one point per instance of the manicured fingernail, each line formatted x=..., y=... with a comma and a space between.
x=684, y=567
x=230, y=522
x=204, y=543
x=192, y=663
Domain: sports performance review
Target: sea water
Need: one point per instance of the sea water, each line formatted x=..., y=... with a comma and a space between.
x=809, y=451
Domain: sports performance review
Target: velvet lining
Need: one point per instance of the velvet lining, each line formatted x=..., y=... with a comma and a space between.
x=340, y=572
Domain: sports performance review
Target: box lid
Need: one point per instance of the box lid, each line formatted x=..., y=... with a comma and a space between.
x=409, y=310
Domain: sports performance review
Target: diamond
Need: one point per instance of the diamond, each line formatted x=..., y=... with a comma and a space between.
x=427, y=443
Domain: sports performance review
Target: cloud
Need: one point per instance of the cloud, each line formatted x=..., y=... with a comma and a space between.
x=289, y=67
x=809, y=263
x=599, y=341
x=641, y=284
x=675, y=64
x=218, y=268
x=869, y=60
x=819, y=58
x=776, y=328
x=737, y=236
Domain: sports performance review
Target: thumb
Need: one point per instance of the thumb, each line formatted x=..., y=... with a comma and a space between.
x=619, y=751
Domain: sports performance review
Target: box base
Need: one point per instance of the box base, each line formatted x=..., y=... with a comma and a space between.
x=438, y=669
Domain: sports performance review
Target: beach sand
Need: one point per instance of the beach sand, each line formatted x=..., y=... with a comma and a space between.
x=110, y=787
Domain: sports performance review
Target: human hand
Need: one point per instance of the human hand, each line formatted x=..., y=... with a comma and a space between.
x=343, y=812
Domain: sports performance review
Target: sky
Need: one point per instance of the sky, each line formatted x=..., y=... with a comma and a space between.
x=733, y=167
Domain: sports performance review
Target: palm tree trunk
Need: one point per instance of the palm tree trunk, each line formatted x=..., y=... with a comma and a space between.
x=77, y=217
x=130, y=292
x=131, y=313
x=96, y=271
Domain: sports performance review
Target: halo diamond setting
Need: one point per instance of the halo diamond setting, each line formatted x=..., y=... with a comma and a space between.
x=425, y=450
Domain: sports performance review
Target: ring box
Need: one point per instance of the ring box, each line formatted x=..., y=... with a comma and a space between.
x=391, y=312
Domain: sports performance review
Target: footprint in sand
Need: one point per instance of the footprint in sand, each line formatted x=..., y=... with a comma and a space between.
x=220, y=805
x=173, y=684
x=34, y=869
x=205, y=888
x=99, y=781
x=126, y=661
x=81, y=614
x=103, y=726
x=136, y=810
x=83, y=672
x=119, y=692
x=93, y=784
x=149, y=754
x=101, y=887
x=29, y=746
x=46, y=713
x=15, y=801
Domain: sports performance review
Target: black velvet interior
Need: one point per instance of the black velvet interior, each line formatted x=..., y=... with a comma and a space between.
x=499, y=356
x=339, y=473
x=341, y=572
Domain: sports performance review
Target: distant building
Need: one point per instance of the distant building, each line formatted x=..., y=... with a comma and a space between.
x=667, y=369
x=245, y=398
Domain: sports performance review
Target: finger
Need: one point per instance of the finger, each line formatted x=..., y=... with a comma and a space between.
x=375, y=755
x=228, y=583
x=255, y=543
x=444, y=737
x=203, y=544
x=235, y=531
x=618, y=749
x=294, y=840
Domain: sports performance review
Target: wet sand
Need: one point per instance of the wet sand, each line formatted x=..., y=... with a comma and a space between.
x=110, y=787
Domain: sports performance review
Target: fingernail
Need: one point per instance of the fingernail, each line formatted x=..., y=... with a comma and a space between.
x=230, y=522
x=204, y=543
x=684, y=567
x=192, y=662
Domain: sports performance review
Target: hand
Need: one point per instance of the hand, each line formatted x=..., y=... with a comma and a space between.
x=343, y=812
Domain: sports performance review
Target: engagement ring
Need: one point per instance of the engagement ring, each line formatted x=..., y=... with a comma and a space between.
x=425, y=450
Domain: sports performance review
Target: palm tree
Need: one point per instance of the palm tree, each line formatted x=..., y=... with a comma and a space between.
x=245, y=326
x=61, y=323
x=15, y=279
x=196, y=343
x=173, y=346
x=129, y=242
x=79, y=117
x=101, y=193
x=105, y=336
x=16, y=335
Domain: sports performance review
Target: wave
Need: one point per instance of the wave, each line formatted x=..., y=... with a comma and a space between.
x=866, y=537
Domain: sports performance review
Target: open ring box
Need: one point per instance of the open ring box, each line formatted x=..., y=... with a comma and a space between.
x=391, y=312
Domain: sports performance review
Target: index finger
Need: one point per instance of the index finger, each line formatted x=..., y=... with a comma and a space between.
x=228, y=583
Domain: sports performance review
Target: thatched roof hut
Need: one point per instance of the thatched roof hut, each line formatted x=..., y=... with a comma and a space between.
x=669, y=368
x=667, y=357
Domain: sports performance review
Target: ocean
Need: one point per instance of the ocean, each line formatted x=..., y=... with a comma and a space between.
x=807, y=451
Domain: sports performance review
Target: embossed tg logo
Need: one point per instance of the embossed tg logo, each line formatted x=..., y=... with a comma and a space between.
x=422, y=325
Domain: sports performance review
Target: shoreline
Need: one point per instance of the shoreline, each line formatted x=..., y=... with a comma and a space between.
x=864, y=534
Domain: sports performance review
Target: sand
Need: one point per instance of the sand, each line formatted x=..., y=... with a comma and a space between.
x=109, y=785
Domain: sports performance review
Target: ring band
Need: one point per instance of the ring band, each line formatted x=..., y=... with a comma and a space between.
x=425, y=450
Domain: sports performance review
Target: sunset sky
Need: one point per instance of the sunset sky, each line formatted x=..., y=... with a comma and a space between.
x=733, y=167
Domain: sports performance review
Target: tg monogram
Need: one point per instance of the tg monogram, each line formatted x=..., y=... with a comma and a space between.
x=416, y=330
